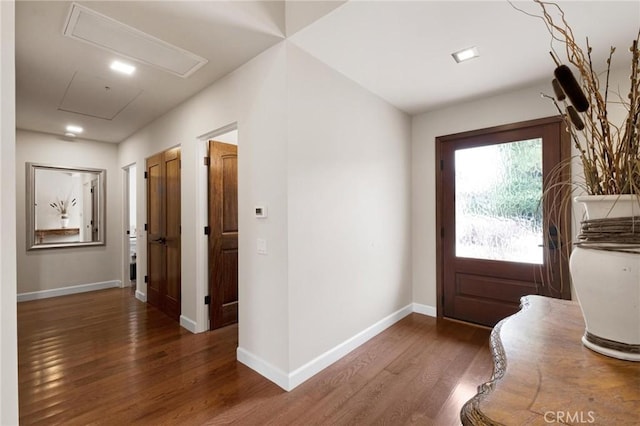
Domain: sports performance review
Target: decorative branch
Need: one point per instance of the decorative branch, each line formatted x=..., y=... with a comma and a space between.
x=609, y=152
x=63, y=206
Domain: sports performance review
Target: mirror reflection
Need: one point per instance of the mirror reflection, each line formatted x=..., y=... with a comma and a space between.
x=65, y=206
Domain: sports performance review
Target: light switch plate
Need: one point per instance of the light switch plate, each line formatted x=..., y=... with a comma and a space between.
x=262, y=246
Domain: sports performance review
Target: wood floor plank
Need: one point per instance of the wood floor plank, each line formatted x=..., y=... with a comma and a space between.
x=106, y=358
x=413, y=375
x=346, y=377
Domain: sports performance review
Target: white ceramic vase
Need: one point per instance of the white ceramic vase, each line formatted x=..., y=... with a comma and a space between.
x=64, y=221
x=607, y=284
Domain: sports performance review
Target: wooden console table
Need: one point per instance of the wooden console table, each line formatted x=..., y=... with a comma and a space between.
x=544, y=375
x=42, y=233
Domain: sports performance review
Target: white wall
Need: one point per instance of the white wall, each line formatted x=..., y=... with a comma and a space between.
x=519, y=105
x=253, y=97
x=55, y=268
x=348, y=208
x=8, y=338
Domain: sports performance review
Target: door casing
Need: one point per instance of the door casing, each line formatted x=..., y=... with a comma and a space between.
x=562, y=216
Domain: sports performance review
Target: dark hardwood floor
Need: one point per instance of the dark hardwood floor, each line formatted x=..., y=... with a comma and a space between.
x=106, y=358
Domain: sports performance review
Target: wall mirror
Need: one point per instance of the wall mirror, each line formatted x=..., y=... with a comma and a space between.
x=65, y=206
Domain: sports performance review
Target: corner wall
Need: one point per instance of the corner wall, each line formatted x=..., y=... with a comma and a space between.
x=330, y=161
x=49, y=269
x=349, y=212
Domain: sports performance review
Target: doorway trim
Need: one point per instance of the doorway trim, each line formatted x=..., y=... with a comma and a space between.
x=202, y=220
x=126, y=171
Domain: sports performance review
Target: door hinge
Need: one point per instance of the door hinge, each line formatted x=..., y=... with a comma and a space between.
x=180, y=229
x=146, y=278
x=146, y=175
x=207, y=300
x=128, y=232
x=145, y=227
x=207, y=161
x=207, y=230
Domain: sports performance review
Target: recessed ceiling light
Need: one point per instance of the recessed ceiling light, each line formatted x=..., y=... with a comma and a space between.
x=466, y=54
x=74, y=129
x=122, y=67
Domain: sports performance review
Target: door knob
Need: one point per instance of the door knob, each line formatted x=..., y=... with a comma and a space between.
x=161, y=240
x=553, y=237
x=553, y=243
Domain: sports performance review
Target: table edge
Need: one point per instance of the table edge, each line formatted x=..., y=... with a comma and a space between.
x=470, y=414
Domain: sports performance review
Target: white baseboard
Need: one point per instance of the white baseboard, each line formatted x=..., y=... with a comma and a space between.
x=189, y=324
x=262, y=367
x=318, y=364
x=63, y=291
x=305, y=372
x=425, y=310
x=141, y=296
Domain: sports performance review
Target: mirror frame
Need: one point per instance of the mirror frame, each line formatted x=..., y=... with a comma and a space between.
x=31, y=195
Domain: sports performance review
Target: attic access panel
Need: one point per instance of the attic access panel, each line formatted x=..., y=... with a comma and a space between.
x=106, y=33
x=97, y=97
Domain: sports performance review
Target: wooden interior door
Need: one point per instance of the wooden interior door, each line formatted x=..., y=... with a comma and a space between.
x=163, y=232
x=497, y=242
x=223, y=236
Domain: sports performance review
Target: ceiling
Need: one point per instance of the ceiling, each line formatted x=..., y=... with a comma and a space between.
x=400, y=51
x=227, y=34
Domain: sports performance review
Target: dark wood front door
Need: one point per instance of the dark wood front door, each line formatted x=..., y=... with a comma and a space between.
x=223, y=236
x=163, y=232
x=498, y=242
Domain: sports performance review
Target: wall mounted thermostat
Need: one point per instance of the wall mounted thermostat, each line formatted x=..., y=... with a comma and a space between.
x=261, y=212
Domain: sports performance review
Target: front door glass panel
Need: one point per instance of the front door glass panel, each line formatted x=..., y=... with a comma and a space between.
x=498, y=189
